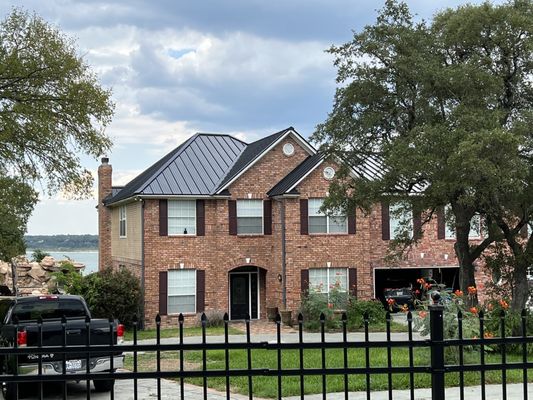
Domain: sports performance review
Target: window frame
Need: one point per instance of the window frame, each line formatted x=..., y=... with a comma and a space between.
x=173, y=271
x=169, y=202
x=328, y=219
x=398, y=220
x=262, y=215
x=327, y=283
x=122, y=222
x=451, y=235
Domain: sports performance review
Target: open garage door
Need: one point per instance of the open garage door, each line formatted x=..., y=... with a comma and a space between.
x=386, y=278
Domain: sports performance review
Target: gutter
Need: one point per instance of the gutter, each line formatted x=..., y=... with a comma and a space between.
x=142, y=266
x=283, y=254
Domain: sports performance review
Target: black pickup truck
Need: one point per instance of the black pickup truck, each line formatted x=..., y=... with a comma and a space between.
x=51, y=309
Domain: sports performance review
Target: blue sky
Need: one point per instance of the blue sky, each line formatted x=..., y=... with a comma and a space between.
x=243, y=67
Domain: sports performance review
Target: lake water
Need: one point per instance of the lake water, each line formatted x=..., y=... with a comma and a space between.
x=89, y=258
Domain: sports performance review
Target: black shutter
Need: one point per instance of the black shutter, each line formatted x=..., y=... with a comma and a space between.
x=385, y=221
x=163, y=218
x=351, y=223
x=304, y=217
x=232, y=215
x=200, y=217
x=441, y=224
x=267, y=217
x=200, y=290
x=352, y=281
x=304, y=274
x=163, y=292
x=417, y=224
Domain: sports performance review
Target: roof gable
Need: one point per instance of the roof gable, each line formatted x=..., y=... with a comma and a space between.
x=255, y=151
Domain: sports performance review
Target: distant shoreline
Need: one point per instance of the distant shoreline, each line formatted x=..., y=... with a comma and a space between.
x=57, y=250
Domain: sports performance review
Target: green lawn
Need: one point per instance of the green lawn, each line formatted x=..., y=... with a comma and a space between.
x=174, y=332
x=267, y=386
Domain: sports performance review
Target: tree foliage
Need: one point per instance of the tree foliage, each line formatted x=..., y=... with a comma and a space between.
x=444, y=106
x=52, y=109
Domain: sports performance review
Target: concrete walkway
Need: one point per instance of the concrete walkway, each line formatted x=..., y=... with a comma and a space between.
x=147, y=389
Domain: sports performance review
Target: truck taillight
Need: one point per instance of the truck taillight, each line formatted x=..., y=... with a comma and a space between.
x=22, y=338
x=120, y=333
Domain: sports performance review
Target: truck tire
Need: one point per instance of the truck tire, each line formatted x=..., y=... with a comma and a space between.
x=9, y=390
x=103, y=385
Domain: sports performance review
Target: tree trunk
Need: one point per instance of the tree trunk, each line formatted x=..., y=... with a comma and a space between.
x=464, y=254
x=521, y=286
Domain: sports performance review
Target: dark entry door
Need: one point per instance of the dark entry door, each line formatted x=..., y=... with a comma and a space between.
x=240, y=295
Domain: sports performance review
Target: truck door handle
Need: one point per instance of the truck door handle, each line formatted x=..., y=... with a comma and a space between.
x=73, y=331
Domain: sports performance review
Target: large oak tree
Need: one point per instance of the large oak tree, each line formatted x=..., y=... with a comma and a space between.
x=52, y=110
x=445, y=107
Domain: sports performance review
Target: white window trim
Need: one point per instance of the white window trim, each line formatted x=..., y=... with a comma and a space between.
x=327, y=221
x=121, y=218
x=262, y=218
x=400, y=219
x=472, y=235
x=195, y=222
x=177, y=295
x=328, y=280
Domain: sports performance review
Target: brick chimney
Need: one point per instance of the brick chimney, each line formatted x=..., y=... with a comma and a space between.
x=105, y=172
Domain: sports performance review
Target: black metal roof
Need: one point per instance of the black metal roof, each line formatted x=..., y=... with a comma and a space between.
x=252, y=151
x=193, y=168
x=286, y=184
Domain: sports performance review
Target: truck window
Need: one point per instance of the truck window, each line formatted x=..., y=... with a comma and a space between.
x=49, y=309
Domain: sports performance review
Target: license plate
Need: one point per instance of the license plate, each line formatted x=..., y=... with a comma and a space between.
x=73, y=365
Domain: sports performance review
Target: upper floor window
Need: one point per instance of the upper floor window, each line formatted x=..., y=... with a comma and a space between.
x=400, y=220
x=322, y=223
x=249, y=217
x=122, y=221
x=182, y=217
x=475, y=225
x=181, y=291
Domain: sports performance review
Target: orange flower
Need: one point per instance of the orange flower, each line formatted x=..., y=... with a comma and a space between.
x=330, y=305
x=458, y=293
x=390, y=302
x=405, y=308
x=421, y=281
x=473, y=310
x=504, y=304
x=472, y=290
x=422, y=314
x=427, y=286
x=489, y=335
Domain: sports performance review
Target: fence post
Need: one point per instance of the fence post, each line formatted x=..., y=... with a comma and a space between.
x=437, y=348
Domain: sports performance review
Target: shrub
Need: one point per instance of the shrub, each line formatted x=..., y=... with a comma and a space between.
x=357, y=308
x=113, y=293
x=68, y=279
x=38, y=255
x=314, y=303
x=214, y=319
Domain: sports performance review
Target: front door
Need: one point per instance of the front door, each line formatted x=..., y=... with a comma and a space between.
x=243, y=295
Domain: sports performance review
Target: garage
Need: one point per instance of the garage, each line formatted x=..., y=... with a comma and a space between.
x=392, y=278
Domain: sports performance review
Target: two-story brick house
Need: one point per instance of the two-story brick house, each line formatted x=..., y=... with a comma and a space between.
x=222, y=224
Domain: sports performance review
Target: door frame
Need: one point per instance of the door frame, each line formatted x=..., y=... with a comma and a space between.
x=249, y=273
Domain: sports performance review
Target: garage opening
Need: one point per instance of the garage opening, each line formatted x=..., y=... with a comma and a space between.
x=396, y=278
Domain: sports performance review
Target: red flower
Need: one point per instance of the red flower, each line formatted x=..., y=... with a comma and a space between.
x=458, y=293
x=472, y=290
x=473, y=310
x=504, y=304
x=422, y=314
x=330, y=305
x=390, y=302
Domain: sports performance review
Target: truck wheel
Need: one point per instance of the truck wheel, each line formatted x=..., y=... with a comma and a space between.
x=9, y=390
x=105, y=385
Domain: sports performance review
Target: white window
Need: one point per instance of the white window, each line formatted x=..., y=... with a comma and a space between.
x=249, y=217
x=323, y=280
x=181, y=291
x=322, y=223
x=400, y=219
x=475, y=225
x=122, y=221
x=182, y=217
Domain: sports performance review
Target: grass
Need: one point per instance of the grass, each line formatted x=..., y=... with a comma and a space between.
x=174, y=332
x=267, y=386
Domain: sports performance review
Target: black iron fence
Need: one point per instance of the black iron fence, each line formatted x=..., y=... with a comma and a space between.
x=76, y=362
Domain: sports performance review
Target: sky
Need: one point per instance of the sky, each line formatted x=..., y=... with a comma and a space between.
x=176, y=67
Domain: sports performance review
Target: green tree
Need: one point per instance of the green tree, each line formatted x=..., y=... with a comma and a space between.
x=51, y=110
x=444, y=107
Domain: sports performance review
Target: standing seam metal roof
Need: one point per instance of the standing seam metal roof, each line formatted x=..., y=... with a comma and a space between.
x=295, y=175
x=193, y=168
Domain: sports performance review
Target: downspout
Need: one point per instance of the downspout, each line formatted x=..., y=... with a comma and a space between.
x=283, y=256
x=142, y=266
